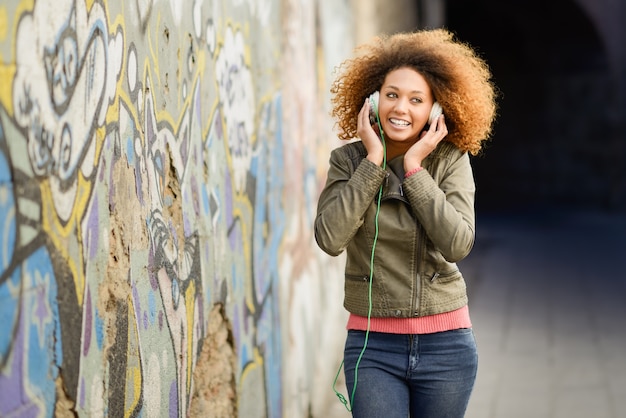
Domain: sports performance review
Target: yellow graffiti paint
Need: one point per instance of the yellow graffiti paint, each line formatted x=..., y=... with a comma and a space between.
x=190, y=303
x=134, y=378
x=3, y=24
x=7, y=72
x=253, y=365
x=243, y=210
x=89, y=3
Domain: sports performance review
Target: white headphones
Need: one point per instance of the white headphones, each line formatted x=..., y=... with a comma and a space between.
x=435, y=112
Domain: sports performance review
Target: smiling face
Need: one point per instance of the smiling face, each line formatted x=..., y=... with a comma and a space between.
x=404, y=106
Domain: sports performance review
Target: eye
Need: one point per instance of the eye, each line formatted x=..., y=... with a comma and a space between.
x=392, y=95
x=417, y=100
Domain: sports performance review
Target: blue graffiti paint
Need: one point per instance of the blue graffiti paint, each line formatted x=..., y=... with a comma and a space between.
x=130, y=151
x=99, y=327
x=152, y=307
x=8, y=312
x=7, y=209
x=36, y=353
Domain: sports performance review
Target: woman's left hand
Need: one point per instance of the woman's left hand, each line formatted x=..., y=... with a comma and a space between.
x=429, y=139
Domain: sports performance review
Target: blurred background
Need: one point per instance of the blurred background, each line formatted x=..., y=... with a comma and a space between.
x=560, y=66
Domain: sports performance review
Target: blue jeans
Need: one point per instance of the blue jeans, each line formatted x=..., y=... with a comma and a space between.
x=426, y=375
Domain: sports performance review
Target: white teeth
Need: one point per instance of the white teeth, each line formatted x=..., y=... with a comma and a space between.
x=399, y=122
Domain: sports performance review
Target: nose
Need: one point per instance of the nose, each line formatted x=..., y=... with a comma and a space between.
x=400, y=105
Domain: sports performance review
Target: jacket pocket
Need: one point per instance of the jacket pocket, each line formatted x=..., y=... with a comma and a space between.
x=444, y=277
x=358, y=277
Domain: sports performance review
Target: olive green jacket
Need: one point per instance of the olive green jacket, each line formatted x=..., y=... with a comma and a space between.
x=425, y=225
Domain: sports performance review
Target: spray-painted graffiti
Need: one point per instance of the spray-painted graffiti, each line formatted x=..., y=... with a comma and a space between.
x=140, y=184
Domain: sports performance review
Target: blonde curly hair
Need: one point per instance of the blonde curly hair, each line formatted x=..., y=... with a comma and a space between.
x=459, y=79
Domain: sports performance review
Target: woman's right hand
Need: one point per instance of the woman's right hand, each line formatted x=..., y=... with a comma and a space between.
x=369, y=135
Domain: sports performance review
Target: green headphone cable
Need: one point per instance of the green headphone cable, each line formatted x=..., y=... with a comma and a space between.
x=371, y=279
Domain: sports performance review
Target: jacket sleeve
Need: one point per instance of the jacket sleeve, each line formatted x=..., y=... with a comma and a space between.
x=445, y=208
x=343, y=201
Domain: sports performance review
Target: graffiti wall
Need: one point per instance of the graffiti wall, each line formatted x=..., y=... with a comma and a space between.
x=156, y=257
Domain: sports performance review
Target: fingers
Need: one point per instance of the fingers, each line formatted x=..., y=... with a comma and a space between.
x=363, y=117
x=369, y=136
x=439, y=129
x=363, y=121
x=430, y=138
x=439, y=126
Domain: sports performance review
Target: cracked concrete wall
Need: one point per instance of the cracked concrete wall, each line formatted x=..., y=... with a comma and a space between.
x=159, y=168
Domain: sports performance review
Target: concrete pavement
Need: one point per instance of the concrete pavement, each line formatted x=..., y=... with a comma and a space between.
x=548, y=305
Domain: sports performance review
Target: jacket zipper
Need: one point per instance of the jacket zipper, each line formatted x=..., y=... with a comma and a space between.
x=418, y=286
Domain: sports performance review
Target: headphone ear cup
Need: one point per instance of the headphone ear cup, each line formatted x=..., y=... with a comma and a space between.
x=435, y=112
x=374, y=97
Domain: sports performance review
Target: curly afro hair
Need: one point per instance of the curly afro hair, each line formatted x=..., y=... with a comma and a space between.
x=459, y=79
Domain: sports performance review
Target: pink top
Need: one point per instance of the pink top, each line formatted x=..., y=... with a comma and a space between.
x=423, y=325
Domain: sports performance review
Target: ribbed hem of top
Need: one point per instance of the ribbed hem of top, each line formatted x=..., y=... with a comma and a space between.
x=423, y=325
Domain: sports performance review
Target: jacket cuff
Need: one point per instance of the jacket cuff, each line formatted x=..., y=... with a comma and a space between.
x=420, y=186
x=368, y=176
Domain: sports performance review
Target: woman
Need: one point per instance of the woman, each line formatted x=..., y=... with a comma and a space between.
x=400, y=202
